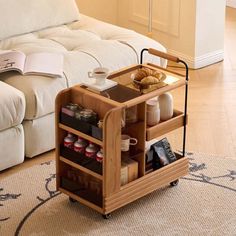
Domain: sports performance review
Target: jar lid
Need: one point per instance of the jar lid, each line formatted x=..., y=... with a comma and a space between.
x=152, y=104
x=87, y=113
x=91, y=148
x=72, y=106
x=68, y=139
x=99, y=154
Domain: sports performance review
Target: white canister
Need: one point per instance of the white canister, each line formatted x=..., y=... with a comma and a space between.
x=166, y=106
x=153, y=112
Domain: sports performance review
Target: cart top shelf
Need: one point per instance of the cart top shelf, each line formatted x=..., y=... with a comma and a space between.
x=126, y=94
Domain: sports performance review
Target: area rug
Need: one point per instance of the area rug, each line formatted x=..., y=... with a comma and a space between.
x=203, y=203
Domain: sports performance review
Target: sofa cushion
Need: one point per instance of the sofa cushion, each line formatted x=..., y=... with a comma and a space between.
x=23, y=16
x=12, y=106
x=12, y=147
x=38, y=140
x=39, y=91
x=85, y=44
x=109, y=32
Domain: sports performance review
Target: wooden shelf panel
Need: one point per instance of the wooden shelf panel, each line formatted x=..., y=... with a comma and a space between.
x=149, y=183
x=81, y=200
x=85, y=136
x=123, y=77
x=149, y=166
x=80, y=160
x=84, y=169
x=164, y=127
x=132, y=154
x=83, y=190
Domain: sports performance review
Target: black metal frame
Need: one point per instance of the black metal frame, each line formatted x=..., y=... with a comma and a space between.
x=186, y=96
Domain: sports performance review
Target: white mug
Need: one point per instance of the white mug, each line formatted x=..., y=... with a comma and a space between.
x=126, y=141
x=99, y=74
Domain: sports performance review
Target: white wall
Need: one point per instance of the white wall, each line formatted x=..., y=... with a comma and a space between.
x=190, y=29
x=173, y=23
x=231, y=3
x=105, y=10
x=209, y=41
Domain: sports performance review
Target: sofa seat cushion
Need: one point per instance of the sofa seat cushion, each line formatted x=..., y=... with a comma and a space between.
x=39, y=91
x=12, y=106
x=39, y=135
x=85, y=44
x=12, y=147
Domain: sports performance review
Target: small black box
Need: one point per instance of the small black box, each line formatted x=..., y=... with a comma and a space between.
x=162, y=154
x=74, y=123
x=96, y=132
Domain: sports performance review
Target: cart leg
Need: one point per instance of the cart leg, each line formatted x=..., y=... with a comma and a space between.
x=72, y=200
x=174, y=183
x=106, y=216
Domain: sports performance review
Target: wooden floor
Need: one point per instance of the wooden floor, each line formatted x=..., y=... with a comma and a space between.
x=211, y=106
x=212, y=101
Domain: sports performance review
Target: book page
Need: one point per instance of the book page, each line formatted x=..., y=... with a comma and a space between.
x=11, y=60
x=48, y=64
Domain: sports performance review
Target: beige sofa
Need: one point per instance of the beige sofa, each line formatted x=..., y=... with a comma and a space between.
x=85, y=43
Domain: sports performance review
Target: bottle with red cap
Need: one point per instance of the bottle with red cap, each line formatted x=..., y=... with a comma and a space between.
x=69, y=140
x=80, y=145
x=99, y=155
x=91, y=150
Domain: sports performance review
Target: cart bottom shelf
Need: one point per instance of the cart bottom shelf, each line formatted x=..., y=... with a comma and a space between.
x=129, y=192
x=84, y=193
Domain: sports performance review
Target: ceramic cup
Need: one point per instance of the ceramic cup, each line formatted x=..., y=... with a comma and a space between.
x=126, y=141
x=99, y=74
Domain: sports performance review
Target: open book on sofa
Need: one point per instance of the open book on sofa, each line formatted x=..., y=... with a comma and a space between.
x=47, y=64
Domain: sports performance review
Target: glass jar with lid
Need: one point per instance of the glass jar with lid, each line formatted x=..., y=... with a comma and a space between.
x=86, y=115
x=153, y=112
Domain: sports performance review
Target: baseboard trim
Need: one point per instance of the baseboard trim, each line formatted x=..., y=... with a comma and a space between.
x=201, y=61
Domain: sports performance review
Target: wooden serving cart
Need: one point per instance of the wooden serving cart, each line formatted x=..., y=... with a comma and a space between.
x=98, y=185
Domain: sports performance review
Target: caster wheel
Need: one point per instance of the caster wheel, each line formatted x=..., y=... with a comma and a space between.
x=72, y=200
x=106, y=216
x=174, y=183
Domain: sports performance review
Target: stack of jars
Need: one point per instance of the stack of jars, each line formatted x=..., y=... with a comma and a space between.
x=80, y=113
x=160, y=109
x=80, y=145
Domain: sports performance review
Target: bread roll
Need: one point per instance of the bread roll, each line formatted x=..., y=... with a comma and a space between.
x=141, y=73
x=157, y=74
x=148, y=71
x=149, y=80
